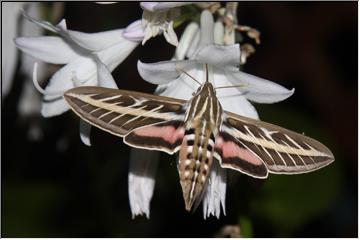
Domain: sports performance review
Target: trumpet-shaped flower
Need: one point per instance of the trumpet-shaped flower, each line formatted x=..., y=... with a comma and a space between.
x=223, y=64
x=157, y=18
x=88, y=59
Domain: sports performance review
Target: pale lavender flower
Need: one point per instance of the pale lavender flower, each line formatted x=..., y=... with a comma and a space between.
x=157, y=18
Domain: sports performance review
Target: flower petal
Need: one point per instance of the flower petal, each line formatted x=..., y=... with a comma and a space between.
x=30, y=101
x=65, y=78
x=239, y=105
x=148, y=33
x=47, y=49
x=110, y=58
x=220, y=56
x=85, y=130
x=193, y=45
x=105, y=79
x=215, y=192
x=186, y=39
x=117, y=53
x=9, y=56
x=181, y=88
x=142, y=171
x=61, y=80
x=51, y=108
x=162, y=72
x=259, y=90
x=29, y=29
x=43, y=24
x=97, y=41
x=106, y=2
x=206, y=29
x=148, y=5
x=231, y=99
x=60, y=29
x=134, y=32
x=76, y=73
x=87, y=41
x=170, y=35
x=219, y=33
x=54, y=105
x=156, y=6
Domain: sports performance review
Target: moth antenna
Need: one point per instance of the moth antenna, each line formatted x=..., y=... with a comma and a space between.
x=206, y=72
x=181, y=70
x=233, y=86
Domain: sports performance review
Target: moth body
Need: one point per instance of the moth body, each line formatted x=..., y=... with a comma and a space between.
x=202, y=124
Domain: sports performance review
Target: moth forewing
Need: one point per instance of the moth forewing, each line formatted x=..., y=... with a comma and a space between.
x=119, y=111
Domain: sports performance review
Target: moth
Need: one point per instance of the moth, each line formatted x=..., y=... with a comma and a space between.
x=201, y=131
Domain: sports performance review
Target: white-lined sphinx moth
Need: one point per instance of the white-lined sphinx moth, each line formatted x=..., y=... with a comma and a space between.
x=202, y=131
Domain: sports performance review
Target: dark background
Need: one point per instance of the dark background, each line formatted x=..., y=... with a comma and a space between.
x=57, y=187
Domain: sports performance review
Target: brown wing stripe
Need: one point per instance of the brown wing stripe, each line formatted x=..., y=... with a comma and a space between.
x=163, y=136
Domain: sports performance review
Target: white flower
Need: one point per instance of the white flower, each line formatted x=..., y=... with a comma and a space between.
x=13, y=25
x=157, y=18
x=88, y=57
x=10, y=16
x=223, y=64
x=141, y=180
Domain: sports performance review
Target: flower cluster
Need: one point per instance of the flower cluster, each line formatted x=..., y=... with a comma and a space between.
x=89, y=59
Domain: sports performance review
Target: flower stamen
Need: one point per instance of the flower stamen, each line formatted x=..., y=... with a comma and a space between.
x=233, y=86
x=39, y=88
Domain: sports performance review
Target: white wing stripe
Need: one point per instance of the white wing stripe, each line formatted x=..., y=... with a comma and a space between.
x=110, y=98
x=277, y=147
x=120, y=109
x=144, y=114
x=132, y=110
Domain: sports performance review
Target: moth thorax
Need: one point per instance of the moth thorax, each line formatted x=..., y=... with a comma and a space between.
x=195, y=162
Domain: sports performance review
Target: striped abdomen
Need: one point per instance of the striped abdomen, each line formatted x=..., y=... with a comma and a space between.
x=195, y=161
x=202, y=124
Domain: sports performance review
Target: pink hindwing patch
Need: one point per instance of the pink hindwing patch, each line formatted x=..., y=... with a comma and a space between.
x=165, y=136
x=233, y=154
